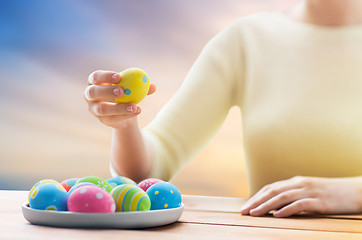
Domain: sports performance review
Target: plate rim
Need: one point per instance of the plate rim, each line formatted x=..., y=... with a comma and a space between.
x=79, y=220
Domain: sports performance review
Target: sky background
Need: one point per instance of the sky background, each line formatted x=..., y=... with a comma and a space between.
x=47, y=50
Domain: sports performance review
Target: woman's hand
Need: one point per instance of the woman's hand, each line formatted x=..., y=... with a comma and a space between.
x=100, y=96
x=307, y=194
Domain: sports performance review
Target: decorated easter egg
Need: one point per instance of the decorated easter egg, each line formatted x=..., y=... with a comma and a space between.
x=78, y=185
x=98, y=182
x=69, y=183
x=91, y=199
x=145, y=184
x=130, y=198
x=164, y=195
x=135, y=84
x=119, y=180
x=49, y=196
x=40, y=183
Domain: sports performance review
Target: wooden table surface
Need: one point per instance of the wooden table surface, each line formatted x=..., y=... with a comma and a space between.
x=203, y=218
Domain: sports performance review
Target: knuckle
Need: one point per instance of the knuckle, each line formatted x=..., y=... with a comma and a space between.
x=273, y=191
x=306, y=205
x=304, y=181
x=297, y=178
x=284, y=196
x=302, y=205
x=266, y=187
x=98, y=110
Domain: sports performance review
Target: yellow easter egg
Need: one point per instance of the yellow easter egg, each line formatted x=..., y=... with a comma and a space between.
x=135, y=83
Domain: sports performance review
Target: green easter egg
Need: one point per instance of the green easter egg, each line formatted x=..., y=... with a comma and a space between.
x=130, y=198
x=100, y=182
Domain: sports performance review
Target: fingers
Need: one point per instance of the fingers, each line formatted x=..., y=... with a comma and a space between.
x=267, y=193
x=306, y=204
x=103, y=93
x=277, y=202
x=100, y=86
x=105, y=109
x=116, y=121
x=152, y=89
x=104, y=77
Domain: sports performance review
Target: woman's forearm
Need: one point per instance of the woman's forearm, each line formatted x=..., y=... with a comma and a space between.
x=130, y=155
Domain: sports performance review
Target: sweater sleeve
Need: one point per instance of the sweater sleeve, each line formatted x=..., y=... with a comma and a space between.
x=191, y=119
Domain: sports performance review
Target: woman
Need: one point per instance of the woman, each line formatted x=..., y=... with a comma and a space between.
x=297, y=79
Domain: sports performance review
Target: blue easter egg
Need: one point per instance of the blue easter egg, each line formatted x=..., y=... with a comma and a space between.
x=49, y=196
x=119, y=180
x=164, y=195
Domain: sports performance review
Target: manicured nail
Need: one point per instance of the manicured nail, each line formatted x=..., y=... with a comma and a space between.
x=130, y=108
x=116, y=92
x=116, y=77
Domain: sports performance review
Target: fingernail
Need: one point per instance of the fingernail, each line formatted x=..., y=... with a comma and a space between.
x=277, y=214
x=117, y=92
x=243, y=211
x=254, y=212
x=130, y=108
x=116, y=77
x=244, y=207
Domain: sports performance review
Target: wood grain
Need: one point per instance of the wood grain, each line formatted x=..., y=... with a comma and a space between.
x=195, y=223
x=299, y=223
x=233, y=205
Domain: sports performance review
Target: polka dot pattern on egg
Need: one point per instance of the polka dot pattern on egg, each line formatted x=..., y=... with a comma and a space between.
x=79, y=185
x=99, y=195
x=36, y=185
x=164, y=195
x=145, y=184
x=144, y=79
x=127, y=91
x=91, y=199
x=135, y=84
x=90, y=195
x=48, y=196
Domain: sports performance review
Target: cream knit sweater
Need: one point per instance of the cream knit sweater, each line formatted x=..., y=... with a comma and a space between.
x=299, y=88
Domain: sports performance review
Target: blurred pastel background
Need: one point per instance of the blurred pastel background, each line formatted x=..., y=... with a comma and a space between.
x=47, y=50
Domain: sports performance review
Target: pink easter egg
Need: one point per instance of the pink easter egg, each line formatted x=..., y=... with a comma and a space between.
x=91, y=199
x=145, y=184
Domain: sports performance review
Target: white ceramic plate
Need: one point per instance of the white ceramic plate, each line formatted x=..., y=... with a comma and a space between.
x=122, y=220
